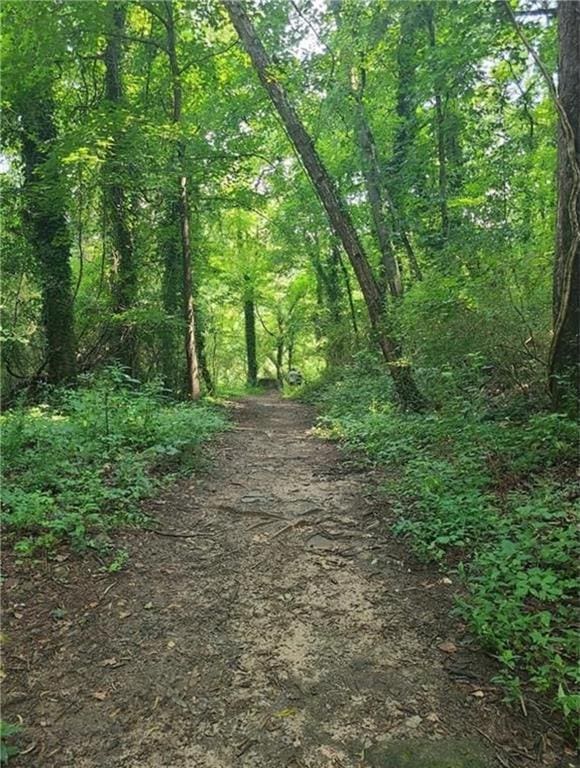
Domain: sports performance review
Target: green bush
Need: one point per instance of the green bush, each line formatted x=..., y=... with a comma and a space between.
x=490, y=493
x=80, y=464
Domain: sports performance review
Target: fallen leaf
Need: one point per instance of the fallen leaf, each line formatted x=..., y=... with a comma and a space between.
x=100, y=695
x=288, y=712
x=414, y=721
x=447, y=647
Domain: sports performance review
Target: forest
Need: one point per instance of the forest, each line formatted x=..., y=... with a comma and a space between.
x=223, y=216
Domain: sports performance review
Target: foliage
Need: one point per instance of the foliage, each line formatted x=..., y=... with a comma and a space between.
x=493, y=495
x=7, y=733
x=256, y=223
x=464, y=152
x=77, y=464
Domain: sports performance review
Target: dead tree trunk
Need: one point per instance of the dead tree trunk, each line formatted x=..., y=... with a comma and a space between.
x=336, y=210
x=564, y=374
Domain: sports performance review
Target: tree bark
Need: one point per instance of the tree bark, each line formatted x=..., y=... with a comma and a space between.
x=193, y=383
x=371, y=171
x=336, y=210
x=380, y=200
x=564, y=370
x=407, y=128
x=46, y=231
x=171, y=292
x=201, y=347
x=348, y=287
x=115, y=198
x=250, y=333
x=406, y=101
x=440, y=136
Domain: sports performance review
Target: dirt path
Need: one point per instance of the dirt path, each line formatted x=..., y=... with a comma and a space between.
x=288, y=631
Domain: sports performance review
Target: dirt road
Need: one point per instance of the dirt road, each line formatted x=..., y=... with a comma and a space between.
x=283, y=626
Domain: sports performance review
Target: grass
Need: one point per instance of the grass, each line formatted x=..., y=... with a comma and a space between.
x=491, y=494
x=78, y=464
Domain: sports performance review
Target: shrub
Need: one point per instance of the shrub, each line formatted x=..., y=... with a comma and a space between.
x=80, y=465
x=490, y=493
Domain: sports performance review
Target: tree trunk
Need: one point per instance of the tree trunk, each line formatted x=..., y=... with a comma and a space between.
x=250, y=331
x=171, y=291
x=193, y=384
x=380, y=200
x=336, y=210
x=46, y=231
x=440, y=137
x=115, y=199
x=348, y=287
x=279, y=359
x=406, y=102
x=198, y=317
x=407, y=129
x=371, y=171
x=564, y=373
x=290, y=355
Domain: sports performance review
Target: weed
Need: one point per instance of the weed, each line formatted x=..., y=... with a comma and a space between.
x=492, y=495
x=79, y=465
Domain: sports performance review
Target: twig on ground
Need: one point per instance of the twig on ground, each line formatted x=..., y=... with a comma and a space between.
x=177, y=535
x=293, y=524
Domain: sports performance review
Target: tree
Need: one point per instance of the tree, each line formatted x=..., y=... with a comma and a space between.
x=250, y=331
x=115, y=196
x=335, y=208
x=30, y=87
x=167, y=18
x=47, y=230
x=564, y=375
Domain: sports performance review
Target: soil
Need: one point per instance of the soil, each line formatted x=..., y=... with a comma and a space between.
x=271, y=620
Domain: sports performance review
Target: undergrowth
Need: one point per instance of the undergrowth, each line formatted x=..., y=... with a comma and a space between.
x=491, y=493
x=78, y=464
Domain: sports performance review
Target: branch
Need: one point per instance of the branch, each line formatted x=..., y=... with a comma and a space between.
x=208, y=56
x=149, y=7
x=145, y=41
x=263, y=324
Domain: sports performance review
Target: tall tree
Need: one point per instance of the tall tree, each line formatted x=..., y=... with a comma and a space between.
x=116, y=199
x=439, y=128
x=380, y=198
x=182, y=200
x=250, y=331
x=335, y=207
x=46, y=228
x=565, y=350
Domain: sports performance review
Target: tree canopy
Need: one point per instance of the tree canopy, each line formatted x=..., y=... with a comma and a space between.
x=154, y=206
